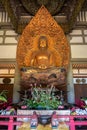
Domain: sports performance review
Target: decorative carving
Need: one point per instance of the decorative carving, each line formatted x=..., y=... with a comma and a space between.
x=18, y=10
x=39, y=77
x=43, y=25
x=52, y=6
x=6, y=80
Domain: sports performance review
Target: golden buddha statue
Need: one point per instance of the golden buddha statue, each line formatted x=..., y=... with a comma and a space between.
x=42, y=58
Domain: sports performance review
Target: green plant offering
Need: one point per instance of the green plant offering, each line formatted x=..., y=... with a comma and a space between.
x=3, y=97
x=43, y=99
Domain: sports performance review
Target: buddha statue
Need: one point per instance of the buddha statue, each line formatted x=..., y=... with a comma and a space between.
x=42, y=68
x=42, y=58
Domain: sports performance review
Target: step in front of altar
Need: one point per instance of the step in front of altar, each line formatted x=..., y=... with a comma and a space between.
x=43, y=112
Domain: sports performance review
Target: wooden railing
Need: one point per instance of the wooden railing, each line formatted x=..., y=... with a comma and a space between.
x=11, y=121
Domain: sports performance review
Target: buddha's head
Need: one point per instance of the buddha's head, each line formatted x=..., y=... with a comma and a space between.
x=43, y=42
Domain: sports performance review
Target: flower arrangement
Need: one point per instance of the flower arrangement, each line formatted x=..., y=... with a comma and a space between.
x=45, y=99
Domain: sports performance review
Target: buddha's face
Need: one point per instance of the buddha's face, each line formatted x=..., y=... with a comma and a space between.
x=43, y=43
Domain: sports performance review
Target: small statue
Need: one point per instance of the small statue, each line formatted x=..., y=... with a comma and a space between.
x=34, y=120
x=54, y=120
x=43, y=58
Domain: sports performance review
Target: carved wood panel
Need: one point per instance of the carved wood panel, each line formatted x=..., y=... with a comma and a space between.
x=43, y=24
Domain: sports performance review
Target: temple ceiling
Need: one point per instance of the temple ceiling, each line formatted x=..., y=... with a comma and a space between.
x=22, y=11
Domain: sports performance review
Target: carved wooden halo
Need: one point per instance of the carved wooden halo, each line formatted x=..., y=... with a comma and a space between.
x=43, y=24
